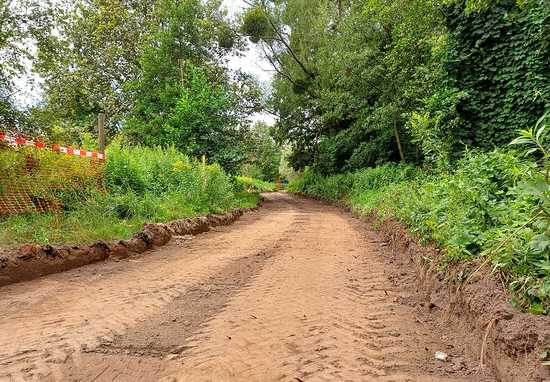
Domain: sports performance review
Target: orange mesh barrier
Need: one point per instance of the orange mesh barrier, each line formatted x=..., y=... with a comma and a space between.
x=34, y=178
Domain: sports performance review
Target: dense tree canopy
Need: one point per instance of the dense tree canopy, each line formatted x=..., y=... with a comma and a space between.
x=357, y=83
x=156, y=68
x=364, y=82
x=183, y=97
x=22, y=23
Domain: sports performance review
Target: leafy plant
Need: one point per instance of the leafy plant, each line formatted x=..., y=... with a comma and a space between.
x=141, y=184
x=254, y=185
x=526, y=247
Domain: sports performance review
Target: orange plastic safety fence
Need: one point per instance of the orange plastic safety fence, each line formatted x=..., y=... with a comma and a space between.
x=33, y=179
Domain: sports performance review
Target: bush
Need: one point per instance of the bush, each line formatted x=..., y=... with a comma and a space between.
x=352, y=187
x=140, y=185
x=460, y=210
x=485, y=207
x=254, y=185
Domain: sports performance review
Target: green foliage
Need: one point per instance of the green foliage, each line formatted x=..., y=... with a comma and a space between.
x=334, y=187
x=156, y=68
x=255, y=24
x=495, y=76
x=143, y=171
x=254, y=185
x=286, y=172
x=141, y=185
x=523, y=249
x=461, y=210
x=52, y=175
x=367, y=82
x=349, y=76
x=183, y=97
x=355, y=186
x=86, y=63
x=492, y=205
x=263, y=154
x=197, y=119
x=431, y=129
x=22, y=23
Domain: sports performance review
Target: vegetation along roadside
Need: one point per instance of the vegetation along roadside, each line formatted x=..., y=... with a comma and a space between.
x=137, y=185
x=401, y=108
x=492, y=208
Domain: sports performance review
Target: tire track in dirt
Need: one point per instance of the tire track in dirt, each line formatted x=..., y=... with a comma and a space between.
x=320, y=310
x=46, y=322
x=295, y=292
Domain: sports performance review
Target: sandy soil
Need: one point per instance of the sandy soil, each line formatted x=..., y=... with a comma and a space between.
x=297, y=291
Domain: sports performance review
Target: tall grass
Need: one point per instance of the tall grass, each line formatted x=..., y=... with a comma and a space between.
x=254, y=185
x=482, y=209
x=139, y=185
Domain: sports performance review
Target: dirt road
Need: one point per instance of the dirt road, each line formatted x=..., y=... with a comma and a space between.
x=298, y=291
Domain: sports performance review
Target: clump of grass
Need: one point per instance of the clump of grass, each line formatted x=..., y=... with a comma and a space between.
x=493, y=207
x=139, y=185
x=254, y=185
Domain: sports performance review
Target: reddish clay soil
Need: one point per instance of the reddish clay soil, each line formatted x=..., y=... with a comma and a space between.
x=33, y=261
x=297, y=291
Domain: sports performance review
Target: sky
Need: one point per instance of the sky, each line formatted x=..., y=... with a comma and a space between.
x=252, y=62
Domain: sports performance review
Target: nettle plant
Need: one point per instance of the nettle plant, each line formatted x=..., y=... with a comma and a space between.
x=532, y=260
x=538, y=185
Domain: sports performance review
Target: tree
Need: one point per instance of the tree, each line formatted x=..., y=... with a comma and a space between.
x=148, y=65
x=184, y=96
x=349, y=75
x=22, y=24
x=263, y=154
x=87, y=63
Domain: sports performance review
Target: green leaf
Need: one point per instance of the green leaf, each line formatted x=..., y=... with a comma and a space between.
x=539, y=132
x=521, y=141
x=536, y=309
x=544, y=265
x=535, y=187
x=541, y=119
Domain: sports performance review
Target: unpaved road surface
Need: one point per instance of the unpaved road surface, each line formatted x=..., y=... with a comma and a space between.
x=297, y=291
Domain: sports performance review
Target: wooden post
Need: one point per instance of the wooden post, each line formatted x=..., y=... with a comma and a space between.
x=101, y=132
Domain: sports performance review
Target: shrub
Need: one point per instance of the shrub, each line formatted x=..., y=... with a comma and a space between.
x=352, y=186
x=460, y=210
x=141, y=185
x=493, y=205
x=254, y=185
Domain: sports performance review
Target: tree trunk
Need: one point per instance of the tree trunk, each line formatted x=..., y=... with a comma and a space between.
x=398, y=139
x=101, y=132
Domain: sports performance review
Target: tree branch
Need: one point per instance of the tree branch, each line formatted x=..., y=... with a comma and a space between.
x=290, y=50
x=277, y=69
